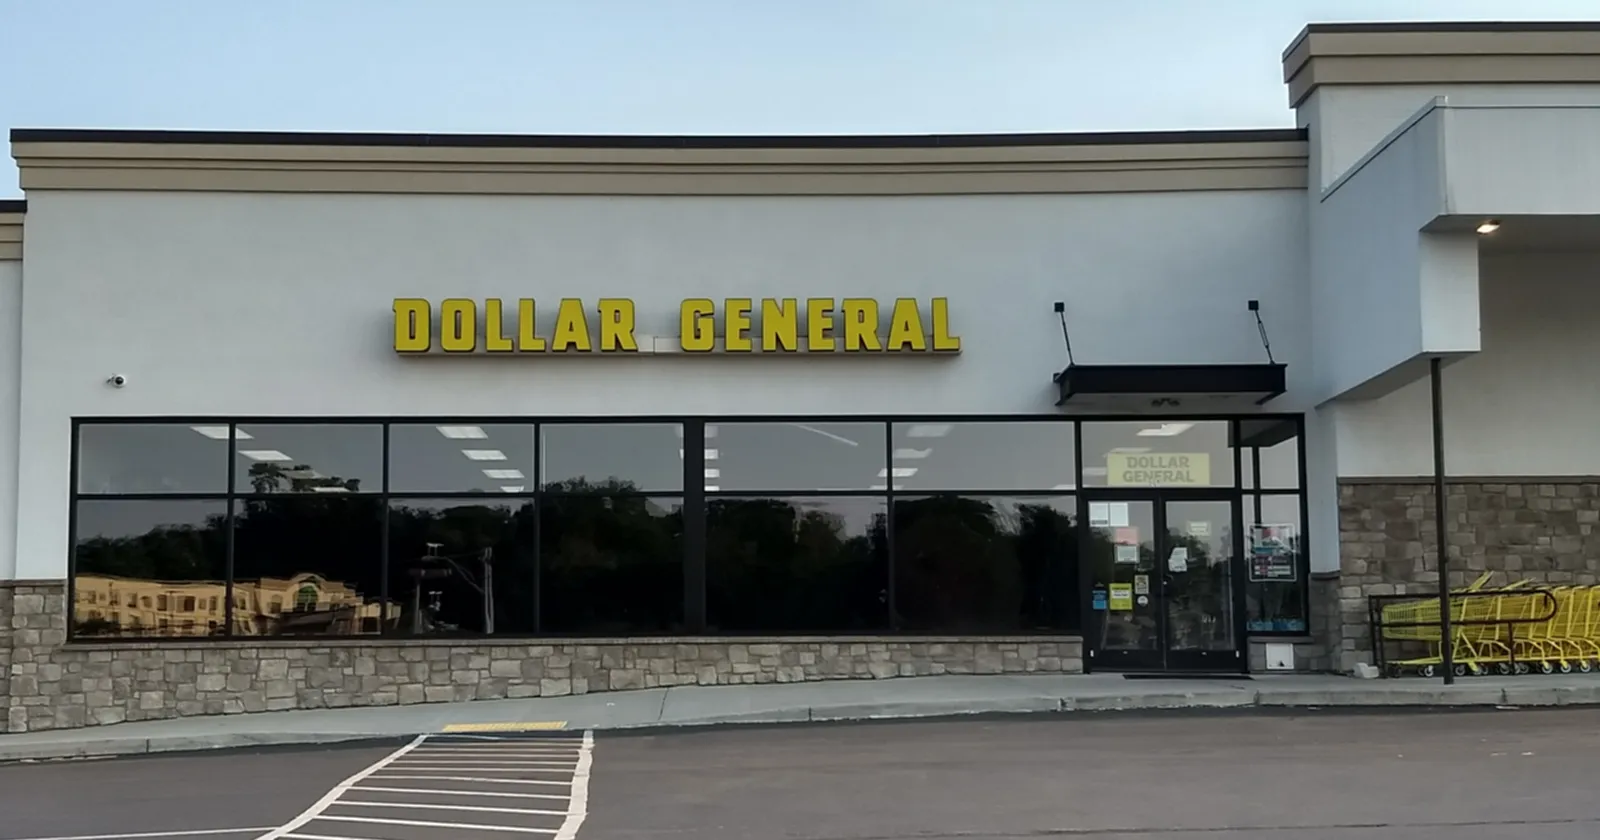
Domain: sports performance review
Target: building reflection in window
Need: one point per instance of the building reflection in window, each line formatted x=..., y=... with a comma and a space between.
x=461, y=566
x=984, y=564
x=319, y=557
x=611, y=562
x=144, y=567
x=797, y=564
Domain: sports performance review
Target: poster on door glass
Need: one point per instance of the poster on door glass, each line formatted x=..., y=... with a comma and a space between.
x=1273, y=549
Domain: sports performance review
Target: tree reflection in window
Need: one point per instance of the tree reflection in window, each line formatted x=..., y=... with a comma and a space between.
x=611, y=560
x=984, y=564
x=461, y=566
x=797, y=564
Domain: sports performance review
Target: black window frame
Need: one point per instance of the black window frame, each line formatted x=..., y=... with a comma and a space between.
x=692, y=496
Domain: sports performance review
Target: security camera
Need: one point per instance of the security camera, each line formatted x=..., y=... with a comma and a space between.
x=116, y=380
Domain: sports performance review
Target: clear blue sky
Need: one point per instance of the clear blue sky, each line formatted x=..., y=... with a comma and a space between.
x=671, y=66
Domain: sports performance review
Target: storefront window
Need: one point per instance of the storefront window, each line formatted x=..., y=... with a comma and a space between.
x=1275, y=565
x=470, y=528
x=138, y=458
x=1157, y=453
x=1270, y=453
x=611, y=457
x=985, y=564
x=461, y=567
x=983, y=456
x=796, y=457
x=461, y=458
x=134, y=559
x=797, y=565
x=322, y=458
x=611, y=565
x=322, y=554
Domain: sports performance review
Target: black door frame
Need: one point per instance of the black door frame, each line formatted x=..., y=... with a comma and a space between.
x=1164, y=659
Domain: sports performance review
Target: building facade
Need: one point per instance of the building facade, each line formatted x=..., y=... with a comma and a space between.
x=313, y=420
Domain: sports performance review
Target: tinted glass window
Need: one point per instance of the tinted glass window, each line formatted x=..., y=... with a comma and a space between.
x=985, y=564
x=132, y=458
x=1275, y=595
x=795, y=457
x=615, y=457
x=611, y=565
x=308, y=458
x=461, y=458
x=1270, y=453
x=1157, y=453
x=150, y=568
x=797, y=565
x=983, y=456
x=318, y=556
x=461, y=566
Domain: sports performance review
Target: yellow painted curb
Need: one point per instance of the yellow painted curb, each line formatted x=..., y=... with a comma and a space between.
x=530, y=726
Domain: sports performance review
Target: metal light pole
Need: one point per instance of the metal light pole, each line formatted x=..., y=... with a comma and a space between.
x=1439, y=520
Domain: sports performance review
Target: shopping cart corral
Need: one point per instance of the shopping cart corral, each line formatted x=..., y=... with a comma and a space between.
x=1516, y=629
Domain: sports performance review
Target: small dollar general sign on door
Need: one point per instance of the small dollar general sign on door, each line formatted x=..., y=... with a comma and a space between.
x=737, y=325
x=1158, y=469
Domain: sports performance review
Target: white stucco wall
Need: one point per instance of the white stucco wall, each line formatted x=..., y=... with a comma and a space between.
x=216, y=304
x=1348, y=121
x=1524, y=406
x=10, y=378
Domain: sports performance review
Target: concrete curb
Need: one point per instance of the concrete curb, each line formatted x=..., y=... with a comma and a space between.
x=1355, y=697
x=111, y=747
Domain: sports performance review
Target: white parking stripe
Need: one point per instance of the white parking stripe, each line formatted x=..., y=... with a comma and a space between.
x=482, y=768
x=496, y=762
x=543, y=812
x=578, y=808
x=338, y=791
x=571, y=755
x=432, y=824
x=194, y=833
x=495, y=793
x=388, y=777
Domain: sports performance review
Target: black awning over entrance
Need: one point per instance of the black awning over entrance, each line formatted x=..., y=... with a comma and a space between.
x=1142, y=387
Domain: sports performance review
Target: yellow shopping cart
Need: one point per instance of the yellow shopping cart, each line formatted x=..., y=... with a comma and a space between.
x=1502, y=630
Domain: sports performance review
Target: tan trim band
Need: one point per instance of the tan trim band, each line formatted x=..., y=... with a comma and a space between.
x=10, y=236
x=1356, y=57
x=1133, y=167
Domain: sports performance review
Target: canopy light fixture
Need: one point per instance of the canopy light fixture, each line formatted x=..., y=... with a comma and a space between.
x=1488, y=226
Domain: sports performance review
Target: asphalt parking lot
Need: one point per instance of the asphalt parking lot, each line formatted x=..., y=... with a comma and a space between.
x=1405, y=776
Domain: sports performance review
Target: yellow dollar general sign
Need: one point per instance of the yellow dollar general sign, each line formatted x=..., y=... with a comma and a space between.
x=739, y=325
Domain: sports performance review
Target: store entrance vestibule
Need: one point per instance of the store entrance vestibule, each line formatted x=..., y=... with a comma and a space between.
x=1164, y=580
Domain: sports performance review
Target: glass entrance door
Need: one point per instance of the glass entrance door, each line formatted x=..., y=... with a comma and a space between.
x=1163, y=575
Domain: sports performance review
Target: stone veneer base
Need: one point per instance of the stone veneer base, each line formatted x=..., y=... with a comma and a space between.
x=50, y=684
x=1545, y=530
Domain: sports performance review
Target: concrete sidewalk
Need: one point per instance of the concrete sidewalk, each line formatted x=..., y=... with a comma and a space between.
x=802, y=702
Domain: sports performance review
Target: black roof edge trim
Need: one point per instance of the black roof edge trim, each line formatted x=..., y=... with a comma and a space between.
x=623, y=141
x=13, y=205
x=1444, y=26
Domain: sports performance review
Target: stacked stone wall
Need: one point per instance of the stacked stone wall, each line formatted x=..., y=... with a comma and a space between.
x=1541, y=530
x=56, y=685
